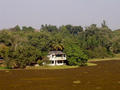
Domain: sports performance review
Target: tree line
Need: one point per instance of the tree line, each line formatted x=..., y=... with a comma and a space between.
x=24, y=46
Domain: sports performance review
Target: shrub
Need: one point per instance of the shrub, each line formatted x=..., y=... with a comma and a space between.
x=40, y=62
x=75, y=55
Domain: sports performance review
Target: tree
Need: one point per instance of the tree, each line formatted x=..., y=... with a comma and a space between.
x=57, y=43
x=49, y=28
x=24, y=46
x=75, y=55
x=74, y=29
x=25, y=55
x=16, y=28
x=4, y=53
x=104, y=24
x=27, y=29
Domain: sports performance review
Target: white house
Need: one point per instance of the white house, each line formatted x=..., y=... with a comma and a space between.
x=57, y=58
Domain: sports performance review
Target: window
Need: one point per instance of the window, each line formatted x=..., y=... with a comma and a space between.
x=1, y=58
x=58, y=55
x=59, y=62
x=53, y=55
x=52, y=62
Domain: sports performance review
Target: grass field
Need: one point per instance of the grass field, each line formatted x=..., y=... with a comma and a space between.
x=104, y=76
x=116, y=57
x=53, y=67
x=3, y=68
x=58, y=67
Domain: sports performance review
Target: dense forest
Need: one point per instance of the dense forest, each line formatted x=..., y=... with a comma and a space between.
x=24, y=46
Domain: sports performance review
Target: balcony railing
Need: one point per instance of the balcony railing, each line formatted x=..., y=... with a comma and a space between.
x=58, y=58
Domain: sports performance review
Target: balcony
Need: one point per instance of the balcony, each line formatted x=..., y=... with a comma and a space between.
x=57, y=58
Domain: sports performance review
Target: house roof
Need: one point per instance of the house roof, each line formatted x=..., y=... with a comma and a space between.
x=56, y=52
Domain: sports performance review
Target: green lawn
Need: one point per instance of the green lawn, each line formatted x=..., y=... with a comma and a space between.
x=91, y=64
x=52, y=67
x=3, y=68
x=116, y=57
x=58, y=67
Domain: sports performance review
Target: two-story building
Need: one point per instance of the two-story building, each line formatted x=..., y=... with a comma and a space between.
x=57, y=58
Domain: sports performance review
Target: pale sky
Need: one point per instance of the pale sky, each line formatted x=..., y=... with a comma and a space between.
x=59, y=12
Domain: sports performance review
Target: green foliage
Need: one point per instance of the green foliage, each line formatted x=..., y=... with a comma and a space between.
x=98, y=52
x=45, y=60
x=40, y=62
x=75, y=55
x=25, y=55
x=74, y=29
x=4, y=68
x=4, y=53
x=49, y=28
x=27, y=29
x=16, y=28
x=22, y=47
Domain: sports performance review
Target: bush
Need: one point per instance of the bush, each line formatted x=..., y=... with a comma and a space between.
x=75, y=55
x=40, y=62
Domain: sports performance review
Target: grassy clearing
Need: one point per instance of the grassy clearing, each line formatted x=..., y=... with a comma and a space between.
x=48, y=67
x=58, y=67
x=3, y=68
x=91, y=64
x=116, y=57
x=52, y=67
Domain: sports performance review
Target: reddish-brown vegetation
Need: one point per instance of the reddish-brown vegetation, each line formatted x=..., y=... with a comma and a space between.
x=104, y=76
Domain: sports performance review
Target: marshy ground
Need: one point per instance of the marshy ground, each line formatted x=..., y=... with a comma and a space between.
x=104, y=76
